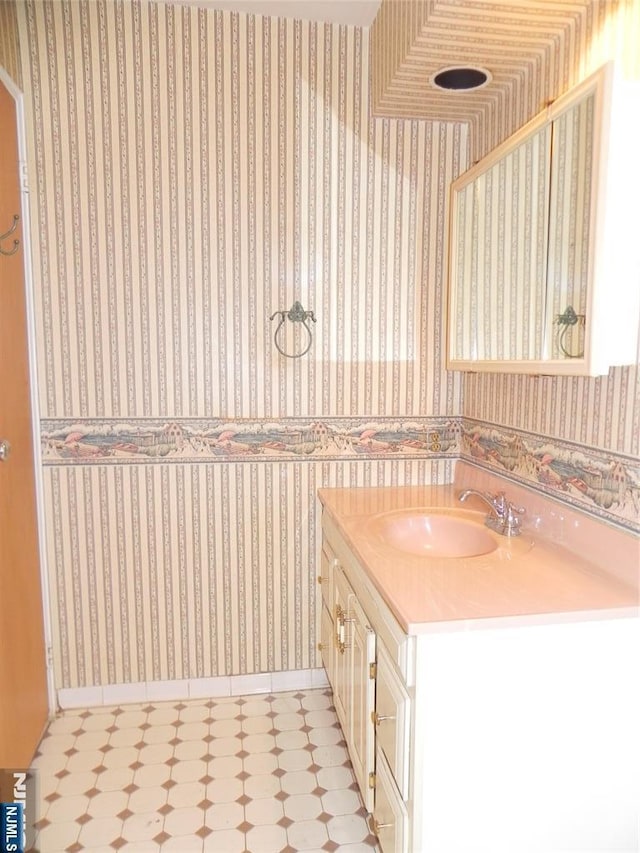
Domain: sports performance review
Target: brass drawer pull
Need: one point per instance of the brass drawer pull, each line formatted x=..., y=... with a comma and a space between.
x=339, y=638
x=375, y=827
x=376, y=719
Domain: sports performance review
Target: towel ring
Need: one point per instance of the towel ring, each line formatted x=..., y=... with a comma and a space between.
x=296, y=314
x=564, y=320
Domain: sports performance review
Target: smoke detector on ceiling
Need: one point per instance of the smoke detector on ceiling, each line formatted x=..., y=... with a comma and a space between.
x=460, y=78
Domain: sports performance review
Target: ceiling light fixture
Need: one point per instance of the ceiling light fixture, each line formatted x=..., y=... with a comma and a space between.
x=457, y=78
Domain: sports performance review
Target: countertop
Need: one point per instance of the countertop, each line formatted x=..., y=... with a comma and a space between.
x=527, y=578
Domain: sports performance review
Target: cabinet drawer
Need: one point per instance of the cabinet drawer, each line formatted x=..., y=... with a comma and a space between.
x=390, y=819
x=391, y=719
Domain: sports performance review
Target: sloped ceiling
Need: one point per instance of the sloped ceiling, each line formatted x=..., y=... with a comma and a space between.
x=530, y=47
x=515, y=41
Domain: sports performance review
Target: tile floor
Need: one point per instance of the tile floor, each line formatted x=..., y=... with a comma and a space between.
x=256, y=773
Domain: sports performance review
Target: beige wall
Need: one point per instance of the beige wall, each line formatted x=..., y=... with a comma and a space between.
x=194, y=172
x=197, y=172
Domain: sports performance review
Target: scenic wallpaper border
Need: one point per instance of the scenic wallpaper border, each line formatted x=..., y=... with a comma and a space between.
x=602, y=483
x=187, y=440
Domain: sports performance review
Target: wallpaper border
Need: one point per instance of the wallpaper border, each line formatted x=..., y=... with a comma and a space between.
x=148, y=440
x=603, y=483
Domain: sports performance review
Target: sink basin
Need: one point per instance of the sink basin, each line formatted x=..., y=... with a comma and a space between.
x=427, y=533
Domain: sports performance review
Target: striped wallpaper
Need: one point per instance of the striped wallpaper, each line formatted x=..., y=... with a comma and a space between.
x=192, y=172
x=190, y=571
x=197, y=172
x=502, y=209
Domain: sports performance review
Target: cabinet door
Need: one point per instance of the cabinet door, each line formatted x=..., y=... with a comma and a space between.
x=354, y=689
x=327, y=645
x=390, y=816
x=361, y=642
x=328, y=562
x=342, y=686
x=392, y=720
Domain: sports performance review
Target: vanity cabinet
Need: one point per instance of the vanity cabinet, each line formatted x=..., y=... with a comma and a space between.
x=365, y=653
x=544, y=265
x=487, y=734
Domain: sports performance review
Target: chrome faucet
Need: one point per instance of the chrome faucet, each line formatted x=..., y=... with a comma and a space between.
x=504, y=517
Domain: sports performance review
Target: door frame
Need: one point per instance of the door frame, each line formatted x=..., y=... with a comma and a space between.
x=18, y=98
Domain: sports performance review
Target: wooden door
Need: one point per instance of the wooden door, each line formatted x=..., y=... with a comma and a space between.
x=23, y=676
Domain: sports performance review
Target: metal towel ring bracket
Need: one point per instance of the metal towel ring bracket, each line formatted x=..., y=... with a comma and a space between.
x=296, y=314
x=564, y=321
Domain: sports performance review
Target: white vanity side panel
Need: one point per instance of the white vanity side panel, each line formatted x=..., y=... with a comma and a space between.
x=528, y=739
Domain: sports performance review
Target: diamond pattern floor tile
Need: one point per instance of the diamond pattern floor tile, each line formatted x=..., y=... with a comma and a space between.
x=248, y=774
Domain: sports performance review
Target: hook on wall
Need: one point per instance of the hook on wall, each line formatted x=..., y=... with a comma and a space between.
x=296, y=314
x=16, y=243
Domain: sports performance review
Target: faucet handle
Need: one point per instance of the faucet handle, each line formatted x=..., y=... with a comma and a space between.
x=517, y=510
x=512, y=518
x=500, y=504
x=504, y=516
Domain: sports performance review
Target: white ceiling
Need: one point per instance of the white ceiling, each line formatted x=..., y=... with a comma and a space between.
x=357, y=13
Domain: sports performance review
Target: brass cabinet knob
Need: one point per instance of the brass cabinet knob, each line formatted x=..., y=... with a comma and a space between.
x=375, y=826
x=376, y=719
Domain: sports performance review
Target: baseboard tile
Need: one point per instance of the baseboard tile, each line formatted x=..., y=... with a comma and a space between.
x=190, y=688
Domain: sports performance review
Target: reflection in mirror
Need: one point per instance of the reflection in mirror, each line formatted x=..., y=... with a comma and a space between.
x=570, y=205
x=500, y=260
x=544, y=251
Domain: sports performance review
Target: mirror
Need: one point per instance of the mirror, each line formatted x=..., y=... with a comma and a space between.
x=531, y=229
x=500, y=245
x=571, y=180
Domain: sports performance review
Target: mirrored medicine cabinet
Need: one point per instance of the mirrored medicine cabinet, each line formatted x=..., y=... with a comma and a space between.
x=544, y=256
